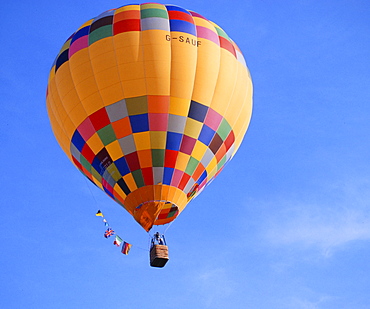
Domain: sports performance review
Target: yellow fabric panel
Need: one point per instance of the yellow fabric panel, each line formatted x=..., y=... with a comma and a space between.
x=70, y=100
x=192, y=128
x=157, y=189
x=243, y=121
x=97, y=182
x=199, y=150
x=106, y=60
x=130, y=181
x=164, y=191
x=58, y=131
x=128, y=8
x=104, y=65
x=95, y=143
x=152, y=6
x=158, y=139
x=142, y=140
x=146, y=193
x=170, y=193
x=114, y=150
x=78, y=115
x=211, y=166
x=80, y=66
x=157, y=64
x=84, y=81
x=207, y=72
x=60, y=135
x=69, y=128
x=183, y=65
x=179, y=199
x=182, y=161
x=131, y=202
x=128, y=47
x=119, y=194
x=238, y=97
x=112, y=94
x=134, y=88
x=79, y=58
x=211, y=174
x=59, y=112
x=225, y=82
x=64, y=142
x=203, y=23
x=101, y=47
x=55, y=103
x=130, y=61
x=51, y=74
x=66, y=88
x=93, y=102
x=107, y=78
x=208, y=65
x=179, y=106
x=132, y=71
x=114, y=172
x=246, y=109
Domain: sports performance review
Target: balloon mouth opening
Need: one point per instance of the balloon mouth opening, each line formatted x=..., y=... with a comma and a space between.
x=155, y=212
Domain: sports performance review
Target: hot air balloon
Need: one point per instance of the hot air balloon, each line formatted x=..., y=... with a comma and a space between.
x=149, y=102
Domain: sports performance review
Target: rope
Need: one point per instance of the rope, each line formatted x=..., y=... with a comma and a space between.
x=168, y=227
x=88, y=185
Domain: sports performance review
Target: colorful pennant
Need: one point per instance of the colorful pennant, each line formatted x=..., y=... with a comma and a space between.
x=126, y=248
x=117, y=240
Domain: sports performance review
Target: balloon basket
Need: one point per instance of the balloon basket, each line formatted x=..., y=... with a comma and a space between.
x=158, y=255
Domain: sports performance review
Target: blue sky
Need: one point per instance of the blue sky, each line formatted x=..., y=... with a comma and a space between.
x=292, y=222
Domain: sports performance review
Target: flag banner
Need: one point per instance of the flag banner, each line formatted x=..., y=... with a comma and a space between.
x=99, y=214
x=117, y=241
x=126, y=248
x=105, y=222
x=109, y=232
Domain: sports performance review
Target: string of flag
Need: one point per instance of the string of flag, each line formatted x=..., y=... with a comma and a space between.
x=117, y=240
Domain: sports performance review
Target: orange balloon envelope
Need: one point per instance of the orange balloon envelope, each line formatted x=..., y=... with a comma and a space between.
x=149, y=102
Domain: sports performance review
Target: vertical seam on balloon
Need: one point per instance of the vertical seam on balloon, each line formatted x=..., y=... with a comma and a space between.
x=205, y=168
x=246, y=125
x=141, y=46
x=169, y=95
x=190, y=100
x=226, y=109
x=123, y=92
x=56, y=114
x=80, y=101
x=97, y=86
x=115, y=54
x=67, y=115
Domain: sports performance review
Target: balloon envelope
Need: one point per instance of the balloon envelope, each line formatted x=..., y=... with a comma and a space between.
x=149, y=102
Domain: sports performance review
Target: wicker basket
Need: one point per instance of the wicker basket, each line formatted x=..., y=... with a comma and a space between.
x=158, y=255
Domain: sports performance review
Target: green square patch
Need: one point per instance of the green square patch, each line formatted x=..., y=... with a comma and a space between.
x=158, y=157
x=100, y=33
x=224, y=129
x=192, y=165
x=221, y=163
x=107, y=135
x=153, y=12
x=138, y=177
